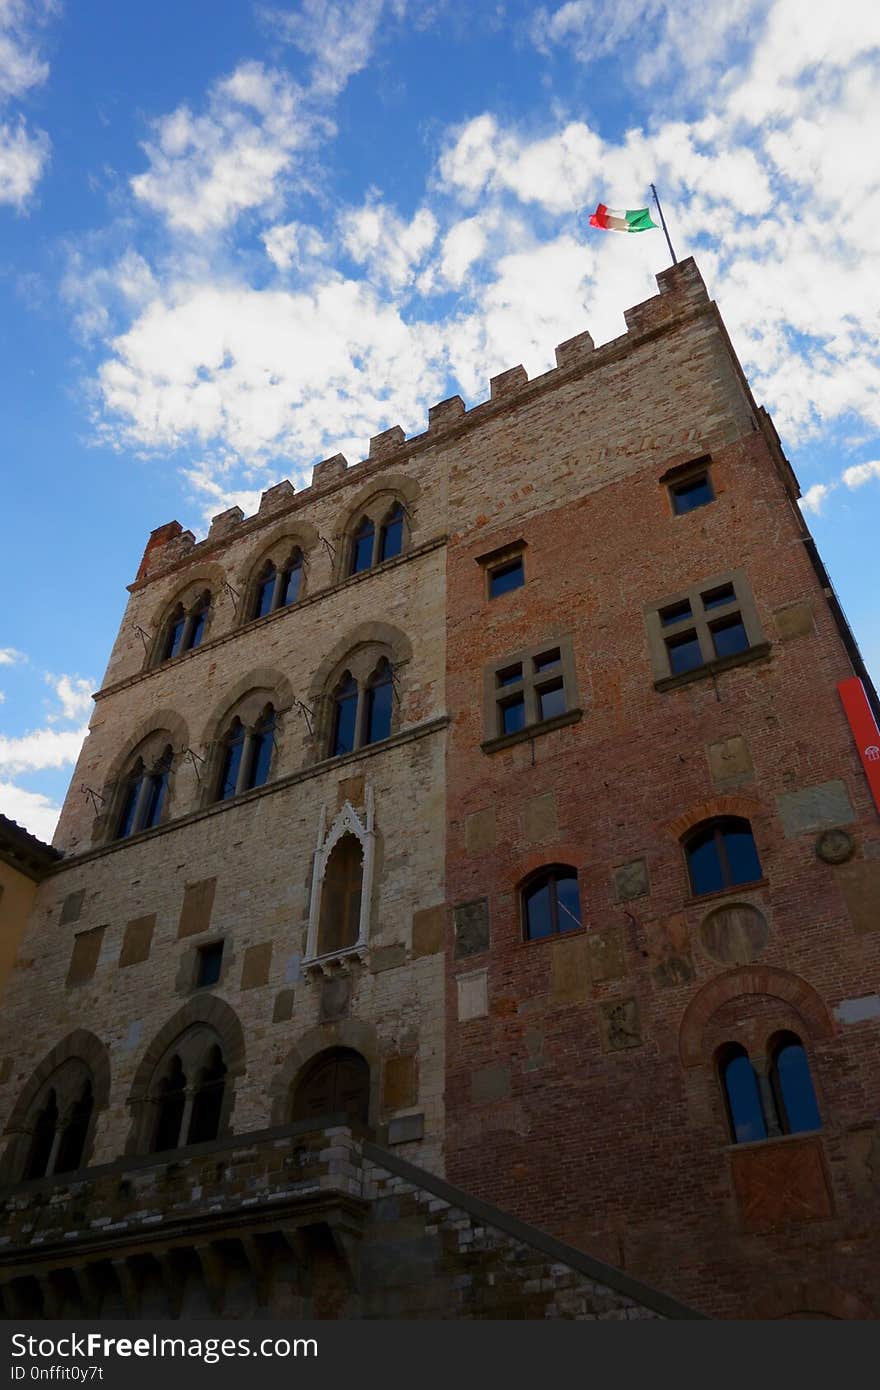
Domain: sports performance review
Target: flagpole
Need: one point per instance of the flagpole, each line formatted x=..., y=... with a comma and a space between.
x=665, y=228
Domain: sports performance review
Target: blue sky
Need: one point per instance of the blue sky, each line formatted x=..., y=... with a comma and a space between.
x=237, y=238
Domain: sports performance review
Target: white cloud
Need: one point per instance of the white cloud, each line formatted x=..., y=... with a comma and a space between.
x=814, y=497
x=390, y=249
x=75, y=695
x=293, y=244
x=337, y=34
x=36, y=812
x=40, y=749
x=10, y=657
x=23, y=159
x=861, y=473
x=205, y=171
x=463, y=244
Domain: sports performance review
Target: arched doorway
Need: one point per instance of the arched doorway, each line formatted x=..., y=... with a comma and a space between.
x=336, y=1083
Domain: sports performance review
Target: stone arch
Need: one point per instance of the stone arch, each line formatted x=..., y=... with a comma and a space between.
x=276, y=543
x=756, y=980
x=353, y=1033
x=158, y=721
x=745, y=807
x=263, y=681
x=205, y=575
x=79, y=1046
x=378, y=635
x=219, y=1022
x=810, y=1298
x=374, y=500
x=160, y=730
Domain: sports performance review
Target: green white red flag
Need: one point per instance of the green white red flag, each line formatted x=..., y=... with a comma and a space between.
x=615, y=220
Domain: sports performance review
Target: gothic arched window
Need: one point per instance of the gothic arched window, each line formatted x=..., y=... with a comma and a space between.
x=188, y=1092
x=277, y=586
x=231, y=760
x=742, y=1095
x=144, y=793
x=208, y=1099
x=62, y=1119
x=341, y=891
x=75, y=1133
x=362, y=547
x=550, y=902
x=362, y=708
x=246, y=755
x=184, y=627
x=792, y=1085
x=391, y=534
x=378, y=704
x=170, y=1102
x=265, y=594
x=43, y=1141
x=345, y=708
x=721, y=854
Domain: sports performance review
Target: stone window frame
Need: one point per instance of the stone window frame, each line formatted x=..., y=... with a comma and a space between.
x=529, y=685
x=346, y=822
x=193, y=1046
x=152, y=754
x=91, y=1060
x=742, y=606
x=770, y=1098
x=686, y=473
x=361, y=665
x=717, y=824
x=280, y=553
x=258, y=692
x=548, y=873
x=377, y=510
x=499, y=558
x=266, y=715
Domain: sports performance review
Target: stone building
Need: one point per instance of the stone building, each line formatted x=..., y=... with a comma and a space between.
x=468, y=893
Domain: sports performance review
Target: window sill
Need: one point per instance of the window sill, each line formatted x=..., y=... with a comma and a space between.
x=773, y=1140
x=546, y=726
x=738, y=889
x=711, y=668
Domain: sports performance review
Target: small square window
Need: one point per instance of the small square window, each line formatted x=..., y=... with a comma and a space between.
x=208, y=963
x=546, y=660
x=684, y=653
x=551, y=700
x=509, y=675
x=729, y=636
x=675, y=614
x=716, y=597
x=513, y=715
x=691, y=492
x=505, y=577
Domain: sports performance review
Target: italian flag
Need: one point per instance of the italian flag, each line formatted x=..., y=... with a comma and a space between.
x=613, y=220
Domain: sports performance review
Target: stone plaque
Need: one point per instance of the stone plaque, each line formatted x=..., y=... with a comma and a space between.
x=350, y=789
x=735, y=934
x=137, y=940
x=471, y=928
x=84, y=958
x=195, y=914
x=479, y=831
x=620, y=1025
x=428, y=930
x=780, y=1184
x=539, y=817
x=406, y=1129
x=335, y=999
x=606, y=954
x=730, y=763
x=283, y=1010
x=669, y=950
x=399, y=1083
x=860, y=883
x=794, y=621
x=835, y=846
x=569, y=970
x=387, y=957
x=256, y=965
x=72, y=906
x=815, y=808
x=631, y=880
x=490, y=1084
x=473, y=995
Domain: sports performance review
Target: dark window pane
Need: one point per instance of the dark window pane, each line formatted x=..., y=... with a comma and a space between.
x=210, y=959
x=362, y=548
x=513, y=715
x=506, y=577
x=509, y=675
x=344, y=720
x=539, y=919
x=545, y=661
x=551, y=700
x=264, y=594
x=705, y=864
x=391, y=539
x=568, y=902
x=230, y=765
x=715, y=597
x=796, y=1088
x=742, y=856
x=155, y=799
x=172, y=643
x=676, y=613
x=292, y=583
x=744, y=1100
x=208, y=1102
x=129, y=805
x=198, y=628
x=43, y=1139
x=261, y=754
x=684, y=653
x=378, y=718
x=729, y=637
x=695, y=492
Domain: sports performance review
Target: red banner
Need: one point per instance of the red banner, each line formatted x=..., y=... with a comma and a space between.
x=865, y=731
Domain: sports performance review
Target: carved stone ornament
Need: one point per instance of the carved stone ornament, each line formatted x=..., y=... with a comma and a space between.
x=835, y=846
x=346, y=822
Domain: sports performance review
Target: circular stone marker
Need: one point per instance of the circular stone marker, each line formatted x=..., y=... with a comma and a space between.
x=835, y=846
x=734, y=934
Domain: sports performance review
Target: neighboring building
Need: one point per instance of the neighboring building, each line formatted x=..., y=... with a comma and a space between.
x=24, y=862
x=497, y=797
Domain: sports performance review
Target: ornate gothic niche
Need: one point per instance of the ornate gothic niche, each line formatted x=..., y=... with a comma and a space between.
x=342, y=890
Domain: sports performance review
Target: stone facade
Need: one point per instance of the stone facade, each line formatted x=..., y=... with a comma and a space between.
x=569, y=1081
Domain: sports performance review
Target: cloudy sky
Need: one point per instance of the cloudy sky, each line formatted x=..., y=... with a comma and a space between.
x=236, y=238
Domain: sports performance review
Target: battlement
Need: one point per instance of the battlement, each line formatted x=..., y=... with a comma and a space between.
x=680, y=288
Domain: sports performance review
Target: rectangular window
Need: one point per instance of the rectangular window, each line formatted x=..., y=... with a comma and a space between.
x=529, y=689
x=503, y=578
x=693, y=491
x=208, y=962
x=713, y=622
